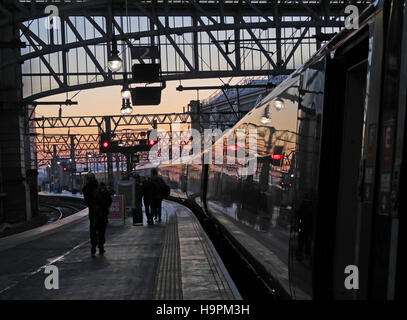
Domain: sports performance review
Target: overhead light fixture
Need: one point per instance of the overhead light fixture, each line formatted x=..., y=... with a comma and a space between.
x=126, y=108
x=125, y=92
x=123, y=108
x=129, y=109
x=114, y=63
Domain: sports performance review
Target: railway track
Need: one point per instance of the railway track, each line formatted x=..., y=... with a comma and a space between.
x=57, y=208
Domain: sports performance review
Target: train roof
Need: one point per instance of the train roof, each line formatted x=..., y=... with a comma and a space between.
x=331, y=46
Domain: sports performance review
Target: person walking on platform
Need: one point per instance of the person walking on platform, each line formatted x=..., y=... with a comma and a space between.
x=89, y=195
x=92, y=194
x=149, y=192
x=103, y=202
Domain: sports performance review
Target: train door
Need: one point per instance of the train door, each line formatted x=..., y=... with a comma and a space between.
x=388, y=171
x=341, y=147
x=400, y=172
x=366, y=177
x=347, y=203
x=363, y=147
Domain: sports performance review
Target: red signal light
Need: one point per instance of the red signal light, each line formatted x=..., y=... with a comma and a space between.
x=65, y=169
x=105, y=144
x=232, y=147
x=276, y=156
x=151, y=142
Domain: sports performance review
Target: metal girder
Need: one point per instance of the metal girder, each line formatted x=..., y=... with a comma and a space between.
x=43, y=144
x=89, y=143
x=131, y=120
x=89, y=53
x=35, y=9
x=304, y=32
x=189, y=49
x=160, y=26
x=174, y=76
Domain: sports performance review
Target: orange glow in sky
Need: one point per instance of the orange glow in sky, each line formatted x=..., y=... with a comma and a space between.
x=107, y=101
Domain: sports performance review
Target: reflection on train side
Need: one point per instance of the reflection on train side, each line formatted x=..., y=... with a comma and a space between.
x=276, y=206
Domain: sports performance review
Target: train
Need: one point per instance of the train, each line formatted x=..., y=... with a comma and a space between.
x=319, y=216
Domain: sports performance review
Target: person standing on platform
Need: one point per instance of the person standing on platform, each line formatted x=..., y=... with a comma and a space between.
x=103, y=202
x=149, y=191
x=161, y=191
x=89, y=195
x=138, y=198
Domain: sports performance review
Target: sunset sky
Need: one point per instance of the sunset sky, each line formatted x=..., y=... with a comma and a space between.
x=107, y=101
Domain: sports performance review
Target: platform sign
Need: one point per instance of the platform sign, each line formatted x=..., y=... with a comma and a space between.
x=116, y=210
x=126, y=188
x=145, y=52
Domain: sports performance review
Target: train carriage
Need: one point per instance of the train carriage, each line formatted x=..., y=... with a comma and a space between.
x=324, y=196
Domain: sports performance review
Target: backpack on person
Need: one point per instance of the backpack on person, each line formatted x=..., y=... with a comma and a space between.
x=165, y=190
x=162, y=190
x=103, y=197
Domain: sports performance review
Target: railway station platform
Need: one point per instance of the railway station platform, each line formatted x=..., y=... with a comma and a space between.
x=171, y=260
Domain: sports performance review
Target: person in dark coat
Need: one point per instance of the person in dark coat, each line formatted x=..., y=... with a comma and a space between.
x=158, y=196
x=103, y=202
x=98, y=200
x=89, y=195
x=149, y=190
x=139, y=198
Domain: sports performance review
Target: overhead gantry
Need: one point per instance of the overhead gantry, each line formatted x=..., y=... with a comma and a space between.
x=196, y=39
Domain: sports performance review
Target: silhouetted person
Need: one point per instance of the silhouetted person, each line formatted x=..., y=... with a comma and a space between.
x=98, y=200
x=89, y=195
x=149, y=191
x=139, y=198
x=158, y=194
x=103, y=202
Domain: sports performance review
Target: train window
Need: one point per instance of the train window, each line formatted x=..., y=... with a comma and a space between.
x=302, y=180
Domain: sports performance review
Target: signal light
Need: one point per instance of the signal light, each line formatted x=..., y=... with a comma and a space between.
x=104, y=144
x=65, y=169
x=151, y=142
x=276, y=156
x=232, y=147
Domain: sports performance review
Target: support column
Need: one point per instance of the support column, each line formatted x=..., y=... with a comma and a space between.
x=109, y=154
x=16, y=203
x=195, y=114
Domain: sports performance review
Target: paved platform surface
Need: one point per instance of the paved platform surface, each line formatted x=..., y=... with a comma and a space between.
x=170, y=260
